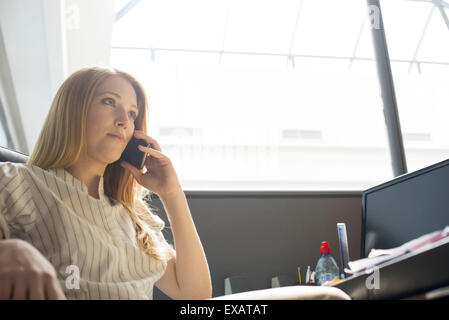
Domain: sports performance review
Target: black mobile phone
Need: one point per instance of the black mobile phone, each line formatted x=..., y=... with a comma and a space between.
x=133, y=155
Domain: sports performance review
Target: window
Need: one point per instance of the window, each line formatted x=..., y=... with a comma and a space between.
x=5, y=141
x=259, y=95
x=417, y=37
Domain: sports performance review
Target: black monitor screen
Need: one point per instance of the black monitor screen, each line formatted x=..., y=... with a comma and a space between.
x=405, y=208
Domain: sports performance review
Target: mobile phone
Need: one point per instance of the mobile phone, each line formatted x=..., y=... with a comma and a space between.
x=133, y=155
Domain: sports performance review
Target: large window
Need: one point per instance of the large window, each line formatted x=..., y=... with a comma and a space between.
x=418, y=41
x=259, y=95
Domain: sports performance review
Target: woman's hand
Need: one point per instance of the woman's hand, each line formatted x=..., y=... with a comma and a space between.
x=26, y=274
x=160, y=176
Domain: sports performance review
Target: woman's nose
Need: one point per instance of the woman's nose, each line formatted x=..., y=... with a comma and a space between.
x=121, y=118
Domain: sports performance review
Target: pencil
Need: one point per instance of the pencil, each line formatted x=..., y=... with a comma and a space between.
x=299, y=274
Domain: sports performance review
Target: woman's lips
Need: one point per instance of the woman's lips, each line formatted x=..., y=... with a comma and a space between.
x=116, y=137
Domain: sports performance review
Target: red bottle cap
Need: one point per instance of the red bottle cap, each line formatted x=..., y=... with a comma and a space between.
x=325, y=247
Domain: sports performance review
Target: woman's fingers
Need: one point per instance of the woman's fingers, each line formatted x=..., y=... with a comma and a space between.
x=36, y=287
x=155, y=153
x=25, y=273
x=19, y=289
x=5, y=287
x=53, y=289
x=141, y=135
x=136, y=173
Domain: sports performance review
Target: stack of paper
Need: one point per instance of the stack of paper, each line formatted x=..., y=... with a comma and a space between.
x=379, y=256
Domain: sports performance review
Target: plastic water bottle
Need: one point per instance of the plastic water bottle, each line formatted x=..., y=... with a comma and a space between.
x=326, y=268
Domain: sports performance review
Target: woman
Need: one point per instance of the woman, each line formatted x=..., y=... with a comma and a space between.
x=73, y=217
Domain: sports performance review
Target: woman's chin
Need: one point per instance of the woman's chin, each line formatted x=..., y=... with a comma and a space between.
x=112, y=160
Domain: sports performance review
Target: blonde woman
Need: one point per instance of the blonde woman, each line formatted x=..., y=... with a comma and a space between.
x=73, y=223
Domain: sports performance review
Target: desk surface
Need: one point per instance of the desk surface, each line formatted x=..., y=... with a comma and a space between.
x=414, y=273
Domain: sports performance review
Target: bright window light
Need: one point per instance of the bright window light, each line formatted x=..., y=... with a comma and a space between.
x=259, y=95
x=418, y=41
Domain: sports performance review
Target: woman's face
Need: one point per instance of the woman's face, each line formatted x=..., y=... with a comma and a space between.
x=111, y=114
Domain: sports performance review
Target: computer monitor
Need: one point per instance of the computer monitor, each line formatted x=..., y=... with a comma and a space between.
x=405, y=208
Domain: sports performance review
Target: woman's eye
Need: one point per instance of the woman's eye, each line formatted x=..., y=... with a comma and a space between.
x=133, y=115
x=109, y=101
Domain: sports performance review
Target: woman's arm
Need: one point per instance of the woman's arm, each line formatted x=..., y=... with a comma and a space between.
x=187, y=275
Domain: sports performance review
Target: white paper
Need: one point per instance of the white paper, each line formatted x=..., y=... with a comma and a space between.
x=379, y=256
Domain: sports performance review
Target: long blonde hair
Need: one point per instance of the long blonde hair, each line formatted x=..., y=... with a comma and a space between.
x=63, y=135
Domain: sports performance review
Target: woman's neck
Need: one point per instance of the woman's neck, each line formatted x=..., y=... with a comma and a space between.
x=89, y=175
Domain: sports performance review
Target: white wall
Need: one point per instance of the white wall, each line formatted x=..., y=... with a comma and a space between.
x=23, y=27
x=42, y=52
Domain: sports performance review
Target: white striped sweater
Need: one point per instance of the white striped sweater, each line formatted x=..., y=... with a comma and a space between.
x=52, y=210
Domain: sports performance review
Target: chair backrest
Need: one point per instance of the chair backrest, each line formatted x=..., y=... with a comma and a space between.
x=12, y=156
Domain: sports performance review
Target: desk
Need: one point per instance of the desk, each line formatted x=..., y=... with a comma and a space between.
x=409, y=275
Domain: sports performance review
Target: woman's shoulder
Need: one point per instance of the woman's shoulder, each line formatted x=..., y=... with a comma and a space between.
x=14, y=171
x=11, y=169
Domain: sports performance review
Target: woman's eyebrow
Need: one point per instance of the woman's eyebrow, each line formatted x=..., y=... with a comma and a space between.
x=115, y=94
